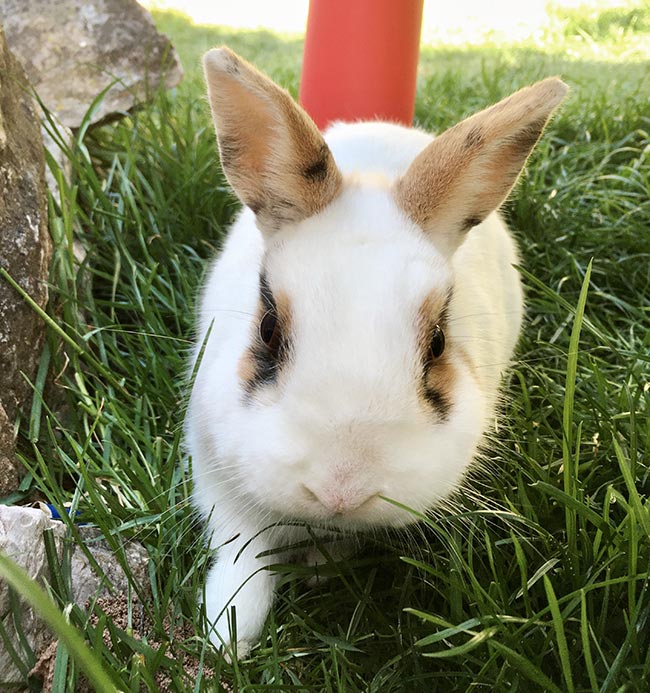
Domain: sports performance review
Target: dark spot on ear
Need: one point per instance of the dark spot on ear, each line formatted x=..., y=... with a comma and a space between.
x=229, y=150
x=317, y=171
x=469, y=223
x=232, y=66
x=474, y=138
x=255, y=206
x=438, y=402
x=525, y=139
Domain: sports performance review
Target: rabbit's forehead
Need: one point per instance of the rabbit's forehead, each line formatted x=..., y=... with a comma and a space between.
x=361, y=254
x=360, y=281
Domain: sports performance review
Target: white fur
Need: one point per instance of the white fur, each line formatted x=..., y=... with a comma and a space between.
x=345, y=424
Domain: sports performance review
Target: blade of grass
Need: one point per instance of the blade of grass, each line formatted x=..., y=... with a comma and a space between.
x=462, y=650
x=560, y=635
x=524, y=666
x=586, y=645
x=641, y=511
x=571, y=469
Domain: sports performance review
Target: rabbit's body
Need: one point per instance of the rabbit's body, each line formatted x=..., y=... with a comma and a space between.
x=353, y=330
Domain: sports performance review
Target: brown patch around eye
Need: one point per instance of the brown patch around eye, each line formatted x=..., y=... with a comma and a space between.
x=262, y=363
x=246, y=368
x=437, y=371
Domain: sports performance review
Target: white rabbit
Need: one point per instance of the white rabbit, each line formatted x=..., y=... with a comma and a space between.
x=353, y=332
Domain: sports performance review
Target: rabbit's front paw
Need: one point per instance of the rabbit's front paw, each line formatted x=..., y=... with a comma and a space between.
x=246, y=584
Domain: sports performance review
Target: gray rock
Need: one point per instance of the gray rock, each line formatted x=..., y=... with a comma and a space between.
x=73, y=50
x=21, y=538
x=86, y=585
x=25, y=246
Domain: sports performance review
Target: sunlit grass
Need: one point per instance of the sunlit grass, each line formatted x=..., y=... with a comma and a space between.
x=461, y=22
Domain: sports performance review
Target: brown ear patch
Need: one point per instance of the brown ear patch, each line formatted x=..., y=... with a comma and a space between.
x=261, y=365
x=467, y=172
x=438, y=373
x=272, y=153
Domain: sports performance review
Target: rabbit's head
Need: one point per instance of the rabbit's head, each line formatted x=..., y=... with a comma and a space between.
x=351, y=388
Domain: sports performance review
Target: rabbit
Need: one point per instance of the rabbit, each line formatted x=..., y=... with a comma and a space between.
x=353, y=331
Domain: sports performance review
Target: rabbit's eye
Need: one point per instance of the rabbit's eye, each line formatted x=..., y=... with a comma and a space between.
x=270, y=331
x=437, y=345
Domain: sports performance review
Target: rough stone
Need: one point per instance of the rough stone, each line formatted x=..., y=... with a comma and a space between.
x=73, y=50
x=9, y=476
x=25, y=246
x=86, y=585
x=21, y=538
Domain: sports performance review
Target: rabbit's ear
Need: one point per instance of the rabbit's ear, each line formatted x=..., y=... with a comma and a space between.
x=271, y=151
x=468, y=171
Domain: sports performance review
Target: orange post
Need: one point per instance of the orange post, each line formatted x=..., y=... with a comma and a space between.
x=360, y=60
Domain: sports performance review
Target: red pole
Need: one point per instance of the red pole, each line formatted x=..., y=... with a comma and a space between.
x=360, y=60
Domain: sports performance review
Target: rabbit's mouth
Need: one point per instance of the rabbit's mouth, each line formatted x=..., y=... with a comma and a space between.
x=341, y=501
x=346, y=510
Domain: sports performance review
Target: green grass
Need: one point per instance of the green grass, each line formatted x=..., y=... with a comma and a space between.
x=538, y=581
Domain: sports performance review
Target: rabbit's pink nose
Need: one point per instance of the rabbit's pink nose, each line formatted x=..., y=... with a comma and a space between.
x=340, y=501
